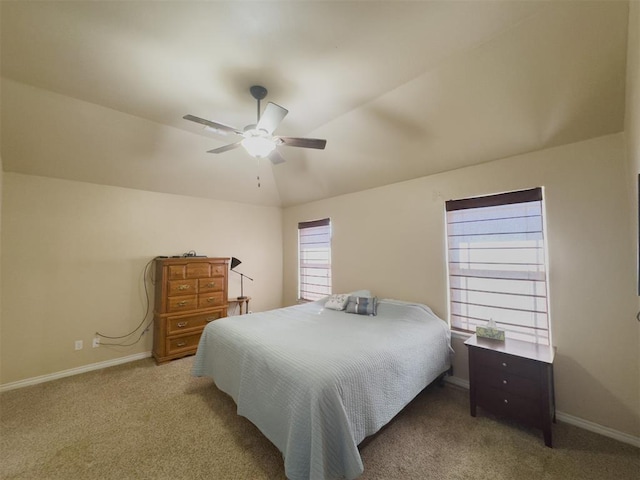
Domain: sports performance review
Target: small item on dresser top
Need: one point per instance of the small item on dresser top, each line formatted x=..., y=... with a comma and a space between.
x=490, y=331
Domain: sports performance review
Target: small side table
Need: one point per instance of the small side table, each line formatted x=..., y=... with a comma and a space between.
x=241, y=301
x=513, y=379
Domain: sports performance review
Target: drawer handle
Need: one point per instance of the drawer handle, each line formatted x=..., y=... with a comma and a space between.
x=211, y=284
x=211, y=299
x=506, y=401
x=183, y=287
x=504, y=382
x=504, y=364
x=184, y=324
x=211, y=319
x=181, y=344
x=182, y=303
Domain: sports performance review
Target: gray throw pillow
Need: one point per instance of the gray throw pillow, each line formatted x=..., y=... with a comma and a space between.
x=362, y=305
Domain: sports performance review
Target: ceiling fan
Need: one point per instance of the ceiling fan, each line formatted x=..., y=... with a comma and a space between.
x=258, y=139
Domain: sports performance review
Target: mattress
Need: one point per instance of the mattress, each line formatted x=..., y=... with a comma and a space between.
x=317, y=381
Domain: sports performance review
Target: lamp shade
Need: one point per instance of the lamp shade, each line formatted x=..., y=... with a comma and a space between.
x=258, y=146
x=234, y=262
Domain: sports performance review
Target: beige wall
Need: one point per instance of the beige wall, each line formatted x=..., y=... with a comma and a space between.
x=73, y=255
x=391, y=240
x=1, y=183
x=632, y=112
x=632, y=125
x=1, y=189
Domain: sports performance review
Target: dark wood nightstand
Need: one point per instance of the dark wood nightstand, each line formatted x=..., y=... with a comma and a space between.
x=513, y=379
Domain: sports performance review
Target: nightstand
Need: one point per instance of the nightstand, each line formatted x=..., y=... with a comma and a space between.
x=240, y=301
x=513, y=379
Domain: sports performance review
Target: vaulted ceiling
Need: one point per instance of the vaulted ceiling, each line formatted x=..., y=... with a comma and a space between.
x=95, y=91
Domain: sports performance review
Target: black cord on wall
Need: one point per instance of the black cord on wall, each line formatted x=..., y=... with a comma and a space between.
x=142, y=322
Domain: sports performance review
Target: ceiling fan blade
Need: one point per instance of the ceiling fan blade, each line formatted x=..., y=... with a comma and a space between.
x=276, y=158
x=226, y=148
x=303, y=142
x=271, y=117
x=220, y=128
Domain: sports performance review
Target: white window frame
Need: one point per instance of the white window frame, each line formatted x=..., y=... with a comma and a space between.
x=314, y=259
x=497, y=264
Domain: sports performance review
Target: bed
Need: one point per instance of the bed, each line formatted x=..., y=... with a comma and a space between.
x=317, y=381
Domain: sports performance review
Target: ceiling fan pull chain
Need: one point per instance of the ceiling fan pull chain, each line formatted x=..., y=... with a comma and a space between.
x=258, y=170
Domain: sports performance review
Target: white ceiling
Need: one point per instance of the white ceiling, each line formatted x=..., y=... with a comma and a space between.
x=399, y=89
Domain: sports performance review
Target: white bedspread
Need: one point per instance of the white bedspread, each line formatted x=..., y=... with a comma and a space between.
x=316, y=381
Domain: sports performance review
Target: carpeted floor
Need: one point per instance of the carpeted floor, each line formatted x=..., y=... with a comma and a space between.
x=142, y=421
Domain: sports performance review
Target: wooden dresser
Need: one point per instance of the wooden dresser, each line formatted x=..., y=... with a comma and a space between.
x=190, y=292
x=513, y=379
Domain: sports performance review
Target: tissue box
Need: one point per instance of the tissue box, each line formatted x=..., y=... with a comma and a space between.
x=490, y=332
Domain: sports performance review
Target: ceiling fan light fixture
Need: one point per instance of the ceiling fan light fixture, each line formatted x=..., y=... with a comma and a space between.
x=257, y=144
x=258, y=139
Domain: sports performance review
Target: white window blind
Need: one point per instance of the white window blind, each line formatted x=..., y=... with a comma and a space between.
x=314, y=259
x=497, y=264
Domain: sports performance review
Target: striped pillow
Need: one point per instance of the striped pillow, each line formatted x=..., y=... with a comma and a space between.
x=362, y=305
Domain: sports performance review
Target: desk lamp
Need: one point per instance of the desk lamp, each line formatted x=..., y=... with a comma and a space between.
x=234, y=263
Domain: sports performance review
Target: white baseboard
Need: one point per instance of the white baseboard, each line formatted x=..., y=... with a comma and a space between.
x=597, y=428
x=459, y=382
x=571, y=420
x=73, y=371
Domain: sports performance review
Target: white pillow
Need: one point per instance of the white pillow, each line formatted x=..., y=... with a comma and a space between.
x=337, y=301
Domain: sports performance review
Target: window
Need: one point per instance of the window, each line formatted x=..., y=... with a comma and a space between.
x=497, y=264
x=314, y=259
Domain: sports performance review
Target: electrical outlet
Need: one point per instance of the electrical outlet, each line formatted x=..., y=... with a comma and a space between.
x=96, y=342
x=78, y=344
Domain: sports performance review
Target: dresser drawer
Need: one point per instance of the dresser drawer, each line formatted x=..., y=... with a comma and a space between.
x=186, y=323
x=198, y=270
x=183, y=343
x=215, y=299
x=218, y=270
x=182, y=287
x=176, y=272
x=212, y=284
x=182, y=303
x=523, y=386
x=509, y=404
x=506, y=363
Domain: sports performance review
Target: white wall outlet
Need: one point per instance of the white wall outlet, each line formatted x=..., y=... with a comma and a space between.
x=78, y=344
x=96, y=342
